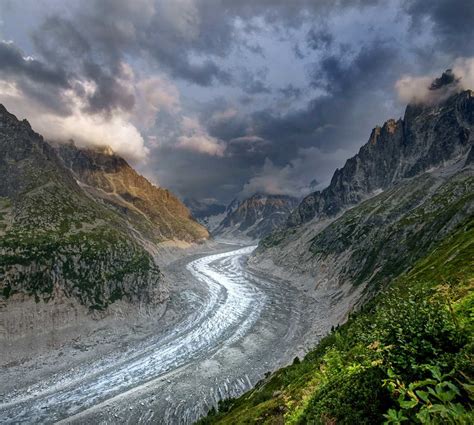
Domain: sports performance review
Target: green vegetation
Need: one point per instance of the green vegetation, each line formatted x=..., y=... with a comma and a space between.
x=54, y=234
x=405, y=357
x=388, y=233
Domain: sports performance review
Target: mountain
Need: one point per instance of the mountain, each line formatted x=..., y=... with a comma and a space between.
x=393, y=235
x=256, y=216
x=427, y=137
x=203, y=209
x=405, y=191
x=55, y=239
x=208, y=212
x=155, y=212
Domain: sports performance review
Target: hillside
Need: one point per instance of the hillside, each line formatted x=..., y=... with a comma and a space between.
x=406, y=357
x=55, y=239
x=152, y=210
x=256, y=216
x=392, y=240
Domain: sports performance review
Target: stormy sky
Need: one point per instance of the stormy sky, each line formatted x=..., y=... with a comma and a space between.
x=219, y=98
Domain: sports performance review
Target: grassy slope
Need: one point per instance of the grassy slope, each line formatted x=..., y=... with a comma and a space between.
x=421, y=326
x=52, y=232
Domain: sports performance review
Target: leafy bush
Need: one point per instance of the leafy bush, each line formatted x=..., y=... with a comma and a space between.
x=436, y=400
x=350, y=398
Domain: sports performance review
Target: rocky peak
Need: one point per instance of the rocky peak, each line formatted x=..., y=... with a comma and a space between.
x=447, y=78
x=428, y=136
x=26, y=159
x=256, y=216
x=156, y=211
x=91, y=159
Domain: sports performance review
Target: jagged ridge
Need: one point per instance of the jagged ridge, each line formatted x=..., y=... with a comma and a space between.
x=427, y=137
x=257, y=216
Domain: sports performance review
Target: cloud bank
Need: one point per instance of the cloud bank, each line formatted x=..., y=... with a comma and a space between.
x=431, y=89
x=217, y=97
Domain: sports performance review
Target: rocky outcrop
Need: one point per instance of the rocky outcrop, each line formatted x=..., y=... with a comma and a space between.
x=428, y=136
x=56, y=239
x=255, y=217
x=155, y=212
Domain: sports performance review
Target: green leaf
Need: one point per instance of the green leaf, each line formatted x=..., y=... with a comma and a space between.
x=408, y=404
x=453, y=387
x=423, y=395
x=436, y=373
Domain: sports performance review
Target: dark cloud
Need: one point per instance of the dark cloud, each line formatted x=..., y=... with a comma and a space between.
x=270, y=119
x=319, y=38
x=452, y=22
x=60, y=42
x=290, y=91
x=110, y=92
x=41, y=83
x=14, y=63
x=253, y=83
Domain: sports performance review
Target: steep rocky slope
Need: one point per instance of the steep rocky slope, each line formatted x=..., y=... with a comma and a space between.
x=255, y=217
x=152, y=210
x=408, y=187
x=55, y=239
x=428, y=136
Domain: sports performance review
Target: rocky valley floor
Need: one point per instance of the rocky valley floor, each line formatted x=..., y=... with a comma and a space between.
x=222, y=330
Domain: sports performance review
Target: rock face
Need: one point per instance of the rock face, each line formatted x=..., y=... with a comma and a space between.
x=428, y=136
x=255, y=217
x=55, y=239
x=155, y=212
x=407, y=189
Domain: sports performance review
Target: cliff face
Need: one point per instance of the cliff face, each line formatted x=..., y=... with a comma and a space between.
x=406, y=190
x=152, y=210
x=255, y=217
x=428, y=136
x=55, y=239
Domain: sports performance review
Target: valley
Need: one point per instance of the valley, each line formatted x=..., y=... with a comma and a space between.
x=120, y=304
x=224, y=328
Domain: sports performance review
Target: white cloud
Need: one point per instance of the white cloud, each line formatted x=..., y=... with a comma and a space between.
x=119, y=129
x=153, y=95
x=115, y=130
x=195, y=138
x=417, y=89
x=225, y=115
x=296, y=177
x=464, y=69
